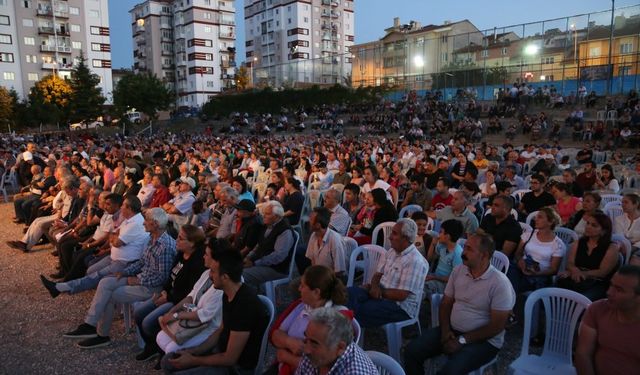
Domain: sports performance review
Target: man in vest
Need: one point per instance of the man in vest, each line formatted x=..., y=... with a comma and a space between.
x=270, y=258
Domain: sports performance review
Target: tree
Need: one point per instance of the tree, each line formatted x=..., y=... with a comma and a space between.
x=87, y=99
x=50, y=100
x=144, y=92
x=242, y=78
x=6, y=106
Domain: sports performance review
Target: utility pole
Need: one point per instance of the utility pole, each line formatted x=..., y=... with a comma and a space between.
x=609, y=65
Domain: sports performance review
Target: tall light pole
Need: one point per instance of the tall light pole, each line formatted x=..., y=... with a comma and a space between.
x=609, y=67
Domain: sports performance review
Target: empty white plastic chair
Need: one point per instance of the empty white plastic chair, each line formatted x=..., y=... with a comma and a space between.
x=385, y=364
x=386, y=230
x=563, y=308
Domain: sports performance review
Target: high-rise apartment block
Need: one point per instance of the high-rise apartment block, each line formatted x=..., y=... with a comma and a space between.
x=190, y=44
x=41, y=37
x=292, y=42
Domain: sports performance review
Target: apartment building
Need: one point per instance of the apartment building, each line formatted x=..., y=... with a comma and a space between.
x=408, y=54
x=190, y=44
x=42, y=37
x=293, y=42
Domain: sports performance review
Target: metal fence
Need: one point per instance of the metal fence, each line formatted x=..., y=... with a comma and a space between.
x=564, y=53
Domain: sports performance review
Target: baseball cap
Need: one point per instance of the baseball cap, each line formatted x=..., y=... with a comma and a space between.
x=245, y=205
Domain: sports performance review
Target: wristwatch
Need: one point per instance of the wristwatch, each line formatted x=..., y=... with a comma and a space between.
x=462, y=340
x=175, y=316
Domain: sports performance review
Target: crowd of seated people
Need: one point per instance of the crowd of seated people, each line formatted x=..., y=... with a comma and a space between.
x=177, y=226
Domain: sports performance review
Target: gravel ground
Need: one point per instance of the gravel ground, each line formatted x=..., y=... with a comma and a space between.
x=32, y=323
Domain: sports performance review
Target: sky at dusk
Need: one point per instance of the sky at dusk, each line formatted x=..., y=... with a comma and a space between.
x=373, y=16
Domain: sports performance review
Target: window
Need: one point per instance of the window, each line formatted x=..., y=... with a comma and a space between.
x=200, y=42
x=4, y=20
x=207, y=29
x=76, y=45
x=27, y=22
x=9, y=76
x=298, y=30
x=200, y=56
x=594, y=51
x=74, y=11
x=306, y=19
x=101, y=63
x=95, y=30
x=32, y=76
x=445, y=57
x=29, y=41
x=626, y=48
x=5, y=39
x=206, y=15
x=624, y=70
x=209, y=83
x=503, y=51
x=201, y=70
x=94, y=13
x=485, y=53
x=548, y=60
x=75, y=28
x=26, y=3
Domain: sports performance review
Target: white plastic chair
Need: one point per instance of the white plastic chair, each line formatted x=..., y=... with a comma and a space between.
x=563, y=308
x=349, y=244
x=386, y=365
x=371, y=255
x=357, y=331
x=526, y=228
x=531, y=217
x=265, y=336
x=518, y=194
x=386, y=230
x=394, y=330
x=625, y=246
x=568, y=236
x=500, y=261
x=338, y=187
x=258, y=189
x=610, y=198
x=514, y=213
x=407, y=211
x=613, y=211
x=270, y=286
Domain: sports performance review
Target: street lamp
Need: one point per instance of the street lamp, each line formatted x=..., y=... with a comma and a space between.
x=418, y=61
x=575, y=42
x=531, y=49
x=253, y=61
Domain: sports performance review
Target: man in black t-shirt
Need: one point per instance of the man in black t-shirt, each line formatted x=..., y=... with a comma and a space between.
x=235, y=345
x=433, y=174
x=537, y=197
x=502, y=226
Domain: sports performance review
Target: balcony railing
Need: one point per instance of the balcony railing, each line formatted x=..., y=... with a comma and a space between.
x=48, y=12
x=228, y=35
x=50, y=31
x=52, y=66
x=48, y=48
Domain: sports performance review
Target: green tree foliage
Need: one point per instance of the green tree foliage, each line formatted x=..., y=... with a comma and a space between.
x=87, y=99
x=50, y=99
x=144, y=92
x=242, y=78
x=268, y=100
x=6, y=106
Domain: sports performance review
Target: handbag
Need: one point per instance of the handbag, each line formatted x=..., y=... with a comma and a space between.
x=185, y=329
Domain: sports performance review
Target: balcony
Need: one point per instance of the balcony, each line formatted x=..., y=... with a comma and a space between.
x=227, y=21
x=48, y=48
x=137, y=30
x=332, y=14
x=48, y=13
x=45, y=30
x=333, y=3
x=166, y=39
x=227, y=76
x=166, y=53
x=52, y=66
x=227, y=35
x=168, y=66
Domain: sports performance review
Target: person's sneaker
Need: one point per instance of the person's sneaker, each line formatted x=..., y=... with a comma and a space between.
x=50, y=285
x=147, y=354
x=84, y=331
x=94, y=342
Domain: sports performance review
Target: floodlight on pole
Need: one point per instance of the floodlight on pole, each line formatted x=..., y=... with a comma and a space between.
x=418, y=61
x=531, y=49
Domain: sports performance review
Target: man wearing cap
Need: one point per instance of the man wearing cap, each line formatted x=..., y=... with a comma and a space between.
x=248, y=227
x=179, y=207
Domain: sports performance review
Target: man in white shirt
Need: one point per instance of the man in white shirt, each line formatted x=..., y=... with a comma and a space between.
x=325, y=244
x=127, y=244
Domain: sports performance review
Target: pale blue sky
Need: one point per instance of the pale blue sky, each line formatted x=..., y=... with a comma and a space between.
x=373, y=16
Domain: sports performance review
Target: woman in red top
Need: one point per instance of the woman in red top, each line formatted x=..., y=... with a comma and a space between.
x=566, y=204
